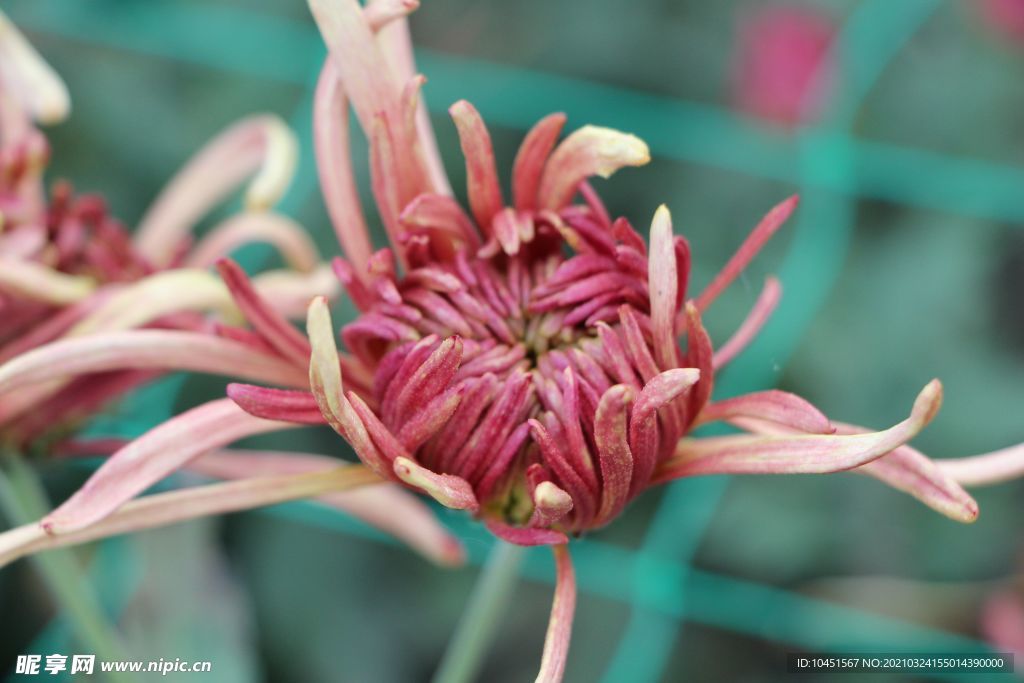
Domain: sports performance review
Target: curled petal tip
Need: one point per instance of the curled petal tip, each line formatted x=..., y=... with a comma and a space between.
x=279, y=160
x=928, y=402
x=33, y=82
x=448, y=490
x=616, y=149
x=551, y=498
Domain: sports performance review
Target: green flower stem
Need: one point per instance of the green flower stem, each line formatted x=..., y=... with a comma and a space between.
x=23, y=500
x=479, y=622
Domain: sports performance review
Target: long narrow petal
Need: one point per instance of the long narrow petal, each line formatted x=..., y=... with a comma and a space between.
x=385, y=506
x=990, y=468
x=759, y=314
x=290, y=239
x=147, y=349
x=163, y=509
x=777, y=407
x=153, y=456
x=267, y=322
x=589, y=151
x=481, y=173
x=334, y=168
x=259, y=146
x=25, y=74
x=616, y=461
x=530, y=160
x=325, y=381
x=556, y=642
x=799, y=454
x=757, y=238
x=661, y=276
x=36, y=282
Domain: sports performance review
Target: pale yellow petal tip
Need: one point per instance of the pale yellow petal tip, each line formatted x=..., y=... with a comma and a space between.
x=548, y=496
x=280, y=156
x=616, y=148
x=41, y=91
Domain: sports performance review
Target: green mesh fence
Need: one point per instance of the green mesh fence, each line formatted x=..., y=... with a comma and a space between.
x=832, y=169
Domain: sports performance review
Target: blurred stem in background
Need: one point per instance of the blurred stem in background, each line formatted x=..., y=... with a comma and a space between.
x=479, y=623
x=22, y=500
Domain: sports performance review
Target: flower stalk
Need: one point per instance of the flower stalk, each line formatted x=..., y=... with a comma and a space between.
x=483, y=614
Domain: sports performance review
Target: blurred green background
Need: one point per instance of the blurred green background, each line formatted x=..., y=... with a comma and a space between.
x=905, y=262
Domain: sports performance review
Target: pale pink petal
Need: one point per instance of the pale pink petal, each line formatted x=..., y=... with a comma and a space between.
x=990, y=468
x=757, y=238
x=147, y=349
x=556, y=642
x=507, y=227
x=36, y=282
x=589, y=151
x=163, y=509
x=153, y=456
x=1002, y=621
x=380, y=13
x=261, y=147
x=759, y=314
x=442, y=213
x=384, y=506
x=481, y=174
x=26, y=76
x=799, y=454
x=289, y=238
x=777, y=407
x=530, y=160
x=661, y=275
x=448, y=490
x=334, y=168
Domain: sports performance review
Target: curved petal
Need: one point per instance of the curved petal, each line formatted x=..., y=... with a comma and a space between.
x=777, y=407
x=798, y=454
x=481, y=173
x=153, y=456
x=759, y=314
x=36, y=282
x=661, y=276
x=448, y=490
x=589, y=151
x=525, y=536
x=277, y=404
x=990, y=468
x=284, y=234
x=259, y=146
x=556, y=642
x=29, y=78
x=146, y=349
x=530, y=160
x=163, y=509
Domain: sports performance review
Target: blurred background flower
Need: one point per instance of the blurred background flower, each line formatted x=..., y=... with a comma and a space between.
x=906, y=262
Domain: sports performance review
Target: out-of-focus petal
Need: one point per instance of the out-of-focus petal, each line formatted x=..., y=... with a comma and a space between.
x=146, y=349
x=757, y=238
x=778, y=407
x=799, y=454
x=556, y=642
x=589, y=151
x=759, y=314
x=290, y=239
x=530, y=160
x=153, y=456
x=28, y=77
x=990, y=468
x=37, y=282
x=334, y=168
x=163, y=509
x=384, y=506
x=481, y=173
x=262, y=147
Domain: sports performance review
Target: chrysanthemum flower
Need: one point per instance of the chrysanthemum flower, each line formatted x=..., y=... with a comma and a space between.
x=521, y=361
